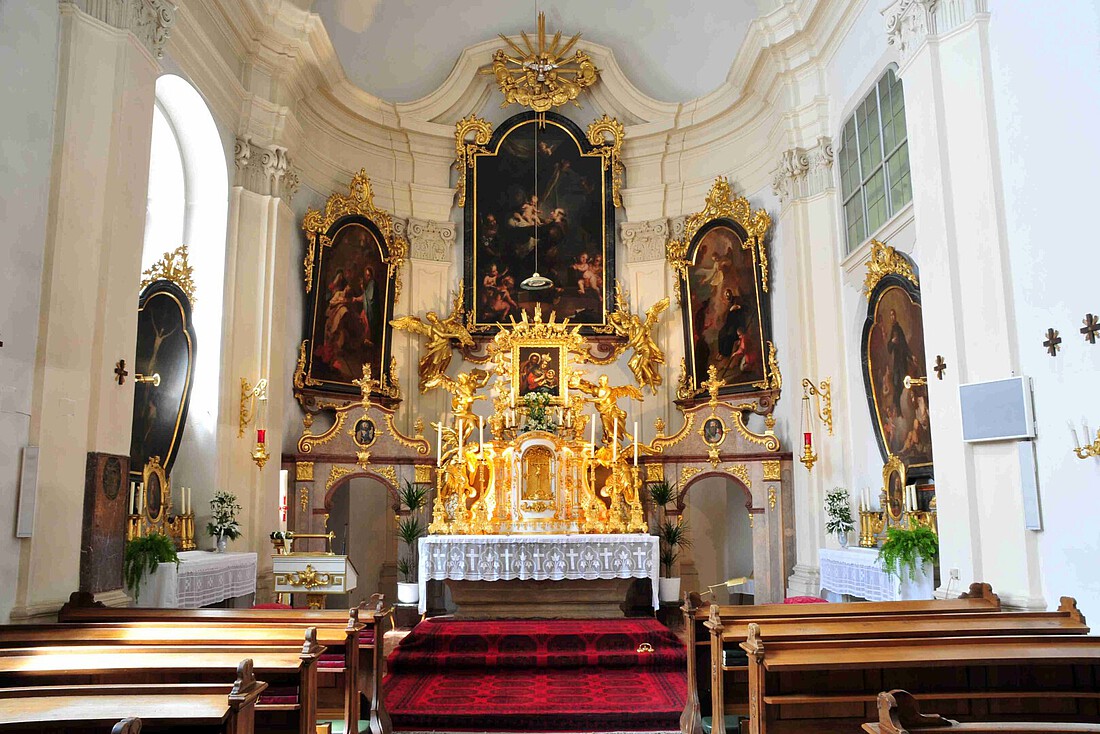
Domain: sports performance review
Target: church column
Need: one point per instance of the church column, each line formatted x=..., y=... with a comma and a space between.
x=814, y=346
x=92, y=267
x=261, y=265
x=964, y=270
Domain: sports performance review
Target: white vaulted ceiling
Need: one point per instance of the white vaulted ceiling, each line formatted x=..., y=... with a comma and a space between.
x=672, y=50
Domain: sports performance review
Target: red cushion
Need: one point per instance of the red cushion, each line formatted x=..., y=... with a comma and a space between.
x=805, y=600
x=366, y=637
x=280, y=695
x=272, y=606
x=331, y=660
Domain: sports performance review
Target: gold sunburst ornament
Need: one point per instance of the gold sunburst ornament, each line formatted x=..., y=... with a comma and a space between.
x=542, y=77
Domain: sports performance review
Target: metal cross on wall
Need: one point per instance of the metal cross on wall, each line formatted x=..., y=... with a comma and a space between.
x=1092, y=326
x=1053, y=342
x=941, y=366
x=120, y=371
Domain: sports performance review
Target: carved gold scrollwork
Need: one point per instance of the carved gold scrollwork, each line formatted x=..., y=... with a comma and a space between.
x=173, y=266
x=741, y=472
x=417, y=442
x=465, y=149
x=611, y=151
x=768, y=440
x=885, y=260
x=335, y=474
x=310, y=578
x=309, y=439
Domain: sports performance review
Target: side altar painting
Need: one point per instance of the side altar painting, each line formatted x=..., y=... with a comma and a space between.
x=722, y=269
x=351, y=283
x=539, y=220
x=894, y=362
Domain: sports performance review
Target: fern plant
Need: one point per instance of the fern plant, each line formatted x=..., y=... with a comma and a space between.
x=142, y=556
x=906, y=551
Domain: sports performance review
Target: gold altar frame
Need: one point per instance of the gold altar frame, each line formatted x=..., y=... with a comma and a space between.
x=523, y=346
x=154, y=470
x=894, y=468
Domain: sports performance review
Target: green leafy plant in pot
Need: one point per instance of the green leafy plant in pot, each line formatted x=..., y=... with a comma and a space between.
x=142, y=556
x=410, y=529
x=906, y=553
x=673, y=537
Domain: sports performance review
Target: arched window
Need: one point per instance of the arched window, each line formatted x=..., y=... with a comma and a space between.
x=874, y=161
x=188, y=204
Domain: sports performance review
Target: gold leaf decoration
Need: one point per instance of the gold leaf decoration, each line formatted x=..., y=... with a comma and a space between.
x=885, y=260
x=465, y=149
x=175, y=267
x=611, y=151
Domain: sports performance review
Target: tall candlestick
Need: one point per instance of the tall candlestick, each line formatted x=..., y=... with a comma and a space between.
x=635, y=443
x=439, y=444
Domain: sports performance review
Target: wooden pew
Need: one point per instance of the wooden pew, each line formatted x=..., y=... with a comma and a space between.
x=141, y=665
x=371, y=659
x=1067, y=620
x=978, y=599
x=899, y=713
x=169, y=708
x=343, y=637
x=826, y=686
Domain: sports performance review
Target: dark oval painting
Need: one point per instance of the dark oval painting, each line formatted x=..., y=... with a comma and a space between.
x=364, y=432
x=713, y=431
x=726, y=314
x=893, y=349
x=349, y=327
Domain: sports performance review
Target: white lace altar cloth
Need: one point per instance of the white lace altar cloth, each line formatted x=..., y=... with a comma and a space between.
x=537, y=558
x=857, y=572
x=203, y=578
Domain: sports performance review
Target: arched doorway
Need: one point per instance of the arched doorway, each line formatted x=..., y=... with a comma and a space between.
x=360, y=514
x=716, y=511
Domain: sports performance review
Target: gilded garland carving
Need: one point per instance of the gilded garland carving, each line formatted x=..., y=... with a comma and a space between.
x=465, y=149
x=309, y=440
x=336, y=473
x=173, y=266
x=417, y=442
x=358, y=201
x=741, y=472
x=885, y=260
x=542, y=77
x=387, y=472
x=721, y=204
x=772, y=471
x=611, y=151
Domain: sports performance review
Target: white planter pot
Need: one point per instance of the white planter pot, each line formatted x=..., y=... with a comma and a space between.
x=669, y=589
x=408, y=593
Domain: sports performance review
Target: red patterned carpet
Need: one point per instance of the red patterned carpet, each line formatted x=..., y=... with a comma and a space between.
x=537, y=675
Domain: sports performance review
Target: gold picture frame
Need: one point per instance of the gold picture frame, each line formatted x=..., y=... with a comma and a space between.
x=363, y=436
x=154, y=481
x=541, y=363
x=713, y=431
x=893, y=488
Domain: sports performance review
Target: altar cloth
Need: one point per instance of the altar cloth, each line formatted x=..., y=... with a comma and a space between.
x=537, y=558
x=202, y=578
x=857, y=572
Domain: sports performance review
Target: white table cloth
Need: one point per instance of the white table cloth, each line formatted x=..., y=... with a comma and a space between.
x=537, y=558
x=202, y=578
x=857, y=572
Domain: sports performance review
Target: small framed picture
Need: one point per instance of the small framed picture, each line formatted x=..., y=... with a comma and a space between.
x=714, y=431
x=364, y=433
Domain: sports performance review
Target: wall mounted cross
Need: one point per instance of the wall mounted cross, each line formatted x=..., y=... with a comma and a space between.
x=1092, y=326
x=941, y=366
x=120, y=371
x=1053, y=342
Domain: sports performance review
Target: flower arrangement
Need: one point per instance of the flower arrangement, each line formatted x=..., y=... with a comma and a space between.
x=539, y=416
x=223, y=510
x=838, y=511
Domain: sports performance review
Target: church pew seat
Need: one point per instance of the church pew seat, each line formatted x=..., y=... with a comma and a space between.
x=1067, y=620
x=978, y=599
x=828, y=685
x=342, y=638
x=183, y=708
x=372, y=615
x=279, y=667
x=899, y=713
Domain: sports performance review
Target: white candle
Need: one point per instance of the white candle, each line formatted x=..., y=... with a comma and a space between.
x=615, y=441
x=130, y=507
x=186, y=500
x=439, y=444
x=480, y=432
x=1076, y=440
x=461, y=438
x=141, y=500
x=593, y=429
x=635, y=443
x=561, y=417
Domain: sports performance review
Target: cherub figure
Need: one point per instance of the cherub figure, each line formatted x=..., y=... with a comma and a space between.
x=462, y=390
x=442, y=335
x=648, y=356
x=606, y=398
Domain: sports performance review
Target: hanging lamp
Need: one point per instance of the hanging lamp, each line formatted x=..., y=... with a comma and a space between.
x=536, y=282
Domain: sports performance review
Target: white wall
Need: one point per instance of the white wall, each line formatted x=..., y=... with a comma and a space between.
x=28, y=57
x=1046, y=73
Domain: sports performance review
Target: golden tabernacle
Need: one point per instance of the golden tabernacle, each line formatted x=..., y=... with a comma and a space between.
x=537, y=466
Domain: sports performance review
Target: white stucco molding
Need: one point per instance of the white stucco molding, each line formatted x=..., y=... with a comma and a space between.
x=909, y=23
x=802, y=173
x=264, y=169
x=427, y=240
x=645, y=241
x=149, y=20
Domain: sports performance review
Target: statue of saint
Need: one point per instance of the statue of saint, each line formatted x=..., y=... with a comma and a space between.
x=440, y=333
x=648, y=356
x=605, y=398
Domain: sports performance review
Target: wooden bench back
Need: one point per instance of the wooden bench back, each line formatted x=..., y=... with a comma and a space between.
x=899, y=713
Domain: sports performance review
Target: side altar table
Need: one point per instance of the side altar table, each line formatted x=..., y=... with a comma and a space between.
x=538, y=575
x=201, y=579
x=857, y=572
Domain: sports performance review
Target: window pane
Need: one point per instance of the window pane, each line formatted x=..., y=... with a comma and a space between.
x=875, y=192
x=870, y=152
x=897, y=105
x=853, y=213
x=901, y=189
x=889, y=129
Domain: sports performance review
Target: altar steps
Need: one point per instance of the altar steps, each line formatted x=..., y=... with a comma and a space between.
x=537, y=676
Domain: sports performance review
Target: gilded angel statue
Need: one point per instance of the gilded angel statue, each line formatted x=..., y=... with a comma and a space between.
x=462, y=390
x=648, y=356
x=440, y=333
x=606, y=400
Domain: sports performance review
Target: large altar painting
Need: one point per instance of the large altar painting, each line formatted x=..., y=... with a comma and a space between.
x=541, y=201
x=727, y=316
x=893, y=348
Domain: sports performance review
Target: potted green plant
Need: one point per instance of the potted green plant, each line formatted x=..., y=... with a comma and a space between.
x=673, y=537
x=908, y=554
x=142, y=556
x=223, y=525
x=410, y=529
x=838, y=515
